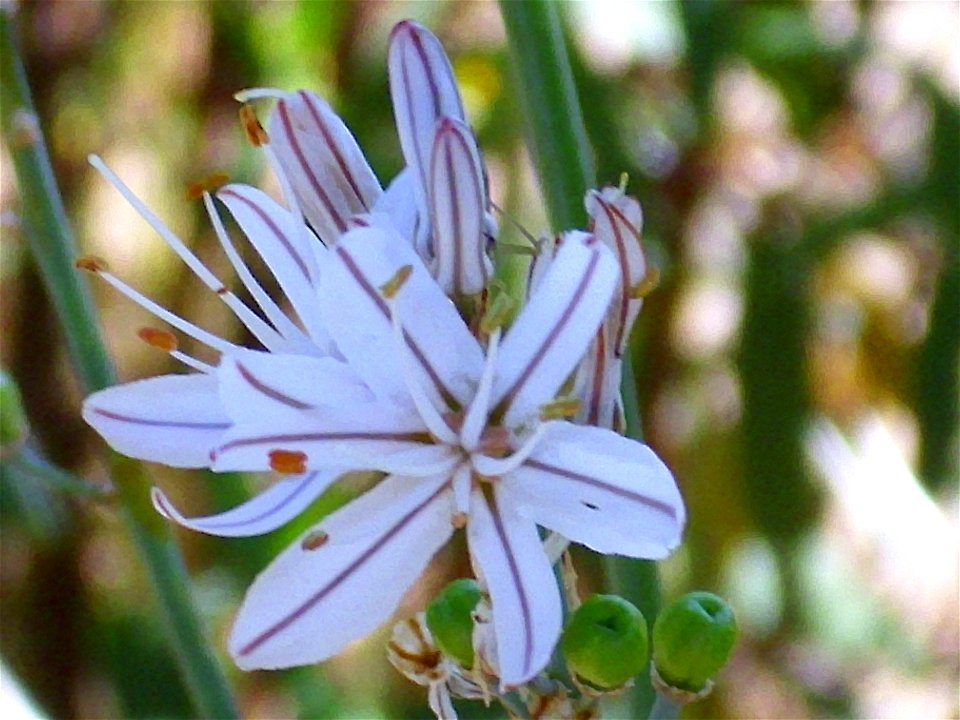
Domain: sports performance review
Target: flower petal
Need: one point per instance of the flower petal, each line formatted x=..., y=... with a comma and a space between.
x=445, y=357
x=457, y=200
x=399, y=204
x=368, y=436
x=309, y=603
x=256, y=385
x=287, y=246
x=552, y=333
x=597, y=383
x=600, y=489
x=326, y=167
x=423, y=89
x=509, y=556
x=271, y=509
x=617, y=220
x=171, y=419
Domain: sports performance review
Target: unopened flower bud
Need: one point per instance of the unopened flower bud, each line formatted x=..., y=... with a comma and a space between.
x=450, y=619
x=605, y=642
x=13, y=422
x=692, y=640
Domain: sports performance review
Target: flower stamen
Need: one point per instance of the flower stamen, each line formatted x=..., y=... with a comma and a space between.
x=497, y=467
x=476, y=417
x=428, y=413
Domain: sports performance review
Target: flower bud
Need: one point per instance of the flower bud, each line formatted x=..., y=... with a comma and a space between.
x=450, y=619
x=692, y=640
x=605, y=642
x=13, y=422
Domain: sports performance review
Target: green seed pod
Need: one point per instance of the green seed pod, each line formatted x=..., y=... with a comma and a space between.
x=605, y=641
x=450, y=619
x=692, y=639
x=13, y=423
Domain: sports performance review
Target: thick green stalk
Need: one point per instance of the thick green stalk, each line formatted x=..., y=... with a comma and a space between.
x=566, y=169
x=50, y=241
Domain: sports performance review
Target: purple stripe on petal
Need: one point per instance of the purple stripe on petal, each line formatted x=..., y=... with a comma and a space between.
x=270, y=392
x=343, y=575
x=162, y=504
x=377, y=299
x=185, y=424
x=278, y=233
x=653, y=503
x=307, y=169
x=286, y=438
x=517, y=583
x=334, y=148
x=551, y=337
x=615, y=218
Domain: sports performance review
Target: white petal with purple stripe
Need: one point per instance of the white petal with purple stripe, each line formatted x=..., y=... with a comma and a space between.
x=309, y=603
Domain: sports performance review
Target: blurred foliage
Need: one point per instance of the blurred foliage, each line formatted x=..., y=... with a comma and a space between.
x=798, y=366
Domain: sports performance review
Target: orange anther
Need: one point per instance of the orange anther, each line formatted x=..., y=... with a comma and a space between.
x=161, y=339
x=314, y=539
x=288, y=462
x=251, y=125
x=196, y=189
x=90, y=263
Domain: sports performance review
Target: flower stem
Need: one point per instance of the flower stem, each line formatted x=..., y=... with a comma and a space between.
x=52, y=248
x=566, y=169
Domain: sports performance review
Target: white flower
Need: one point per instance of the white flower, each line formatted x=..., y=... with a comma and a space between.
x=439, y=203
x=377, y=371
x=457, y=432
x=616, y=220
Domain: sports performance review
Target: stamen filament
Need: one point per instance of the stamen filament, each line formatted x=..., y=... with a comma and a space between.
x=291, y=197
x=190, y=361
x=257, y=93
x=428, y=413
x=461, y=488
x=497, y=467
x=284, y=325
x=187, y=328
x=476, y=417
x=260, y=329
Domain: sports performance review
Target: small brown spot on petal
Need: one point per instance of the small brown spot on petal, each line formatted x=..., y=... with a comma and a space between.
x=288, y=462
x=161, y=339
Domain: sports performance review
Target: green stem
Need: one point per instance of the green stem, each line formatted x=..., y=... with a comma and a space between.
x=52, y=247
x=664, y=709
x=565, y=166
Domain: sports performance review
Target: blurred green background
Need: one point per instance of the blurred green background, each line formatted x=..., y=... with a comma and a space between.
x=797, y=367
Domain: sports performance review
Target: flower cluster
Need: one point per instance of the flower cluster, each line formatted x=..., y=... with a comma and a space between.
x=389, y=359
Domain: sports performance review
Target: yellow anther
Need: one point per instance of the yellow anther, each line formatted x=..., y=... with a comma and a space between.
x=392, y=286
x=499, y=308
x=161, y=339
x=288, y=462
x=196, y=189
x=252, y=127
x=560, y=407
x=90, y=263
x=648, y=283
x=314, y=539
x=624, y=179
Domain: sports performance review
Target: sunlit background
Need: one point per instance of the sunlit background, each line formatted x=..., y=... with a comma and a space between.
x=798, y=168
